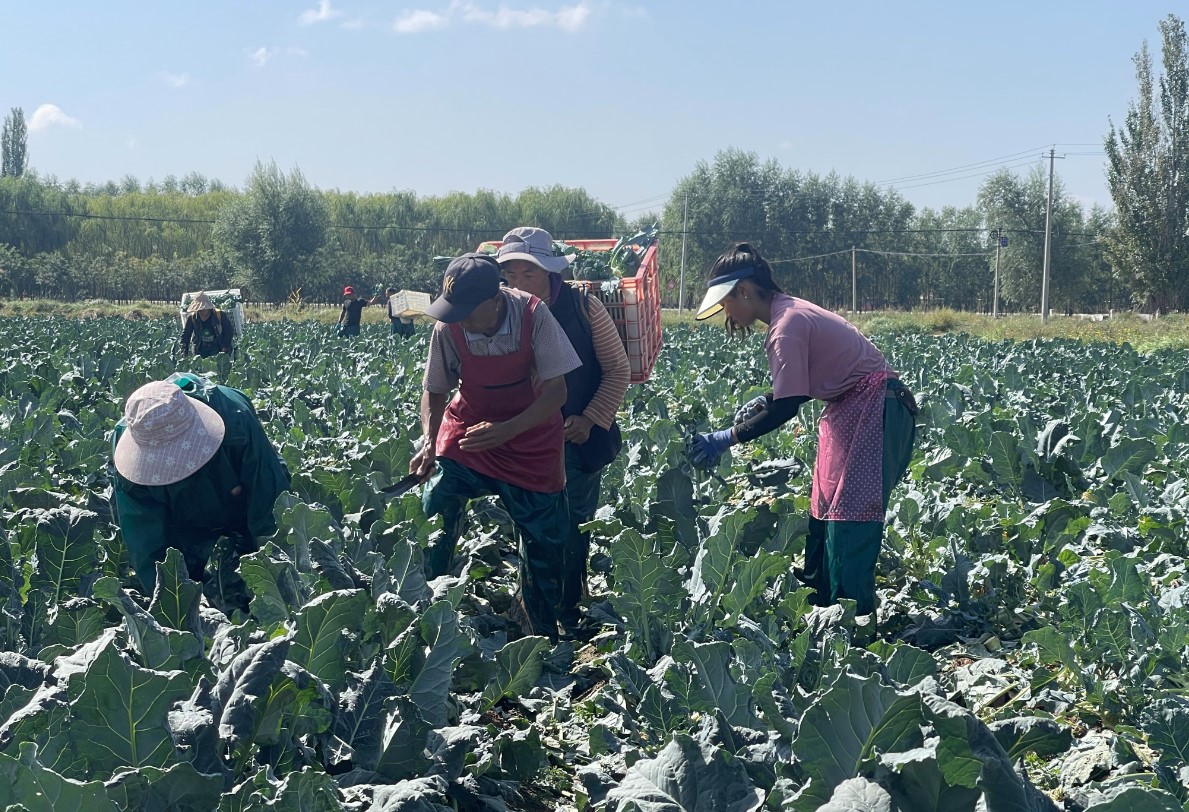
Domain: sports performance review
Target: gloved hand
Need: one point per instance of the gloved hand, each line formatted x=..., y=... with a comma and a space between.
x=753, y=408
x=705, y=449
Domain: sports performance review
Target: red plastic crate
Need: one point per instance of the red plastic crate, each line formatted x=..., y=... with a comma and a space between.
x=633, y=302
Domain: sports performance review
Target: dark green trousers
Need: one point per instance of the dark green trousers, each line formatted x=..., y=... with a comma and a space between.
x=543, y=524
x=840, y=557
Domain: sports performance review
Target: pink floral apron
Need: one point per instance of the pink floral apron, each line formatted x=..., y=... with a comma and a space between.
x=848, y=471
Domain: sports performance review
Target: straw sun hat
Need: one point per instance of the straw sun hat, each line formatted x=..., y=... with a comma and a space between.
x=200, y=302
x=167, y=435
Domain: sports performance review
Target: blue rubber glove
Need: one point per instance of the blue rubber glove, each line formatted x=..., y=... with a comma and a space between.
x=707, y=448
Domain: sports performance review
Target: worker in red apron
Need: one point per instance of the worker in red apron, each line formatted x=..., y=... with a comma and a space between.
x=502, y=432
x=866, y=433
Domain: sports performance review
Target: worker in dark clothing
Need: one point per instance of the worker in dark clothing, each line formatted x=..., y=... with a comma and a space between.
x=208, y=330
x=192, y=463
x=352, y=312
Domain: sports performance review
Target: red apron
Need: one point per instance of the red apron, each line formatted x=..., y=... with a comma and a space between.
x=848, y=472
x=494, y=389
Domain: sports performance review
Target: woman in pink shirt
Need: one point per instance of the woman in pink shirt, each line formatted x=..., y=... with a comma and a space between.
x=865, y=435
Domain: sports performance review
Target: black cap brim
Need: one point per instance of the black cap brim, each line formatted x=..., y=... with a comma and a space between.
x=449, y=312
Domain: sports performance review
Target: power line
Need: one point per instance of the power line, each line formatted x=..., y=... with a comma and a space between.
x=1000, y=168
x=804, y=259
x=1013, y=156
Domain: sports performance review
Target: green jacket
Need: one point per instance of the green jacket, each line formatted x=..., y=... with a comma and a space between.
x=233, y=494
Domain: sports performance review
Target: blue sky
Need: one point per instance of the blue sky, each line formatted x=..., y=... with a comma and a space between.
x=618, y=96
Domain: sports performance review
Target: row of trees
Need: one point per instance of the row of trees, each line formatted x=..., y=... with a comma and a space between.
x=835, y=240
x=281, y=238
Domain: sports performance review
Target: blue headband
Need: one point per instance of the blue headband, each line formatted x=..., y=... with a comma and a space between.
x=733, y=276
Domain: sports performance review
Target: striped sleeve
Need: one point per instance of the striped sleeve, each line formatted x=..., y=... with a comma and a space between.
x=613, y=359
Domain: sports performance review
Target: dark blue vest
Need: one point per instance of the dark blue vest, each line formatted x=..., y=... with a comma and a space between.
x=570, y=310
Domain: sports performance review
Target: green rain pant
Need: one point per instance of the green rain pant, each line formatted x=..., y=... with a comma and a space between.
x=840, y=557
x=542, y=521
x=582, y=493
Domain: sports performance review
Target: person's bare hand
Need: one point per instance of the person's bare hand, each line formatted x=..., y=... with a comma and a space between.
x=485, y=436
x=578, y=429
x=424, y=462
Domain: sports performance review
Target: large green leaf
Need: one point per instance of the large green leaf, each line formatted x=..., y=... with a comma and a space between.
x=65, y=551
x=1132, y=798
x=647, y=591
x=446, y=645
x=119, y=710
x=407, y=569
x=1131, y=455
x=402, y=751
x=749, y=579
x=275, y=584
x=843, y=733
x=517, y=667
x=717, y=553
x=181, y=788
x=1031, y=734
x=687, y=777
x=361, y=718
x=175, y=596
x=302, y=523
x=159, y=647
x=675, y=501
x=1166, y=721
x=324, y=628
x=917, y=782
x=719, y=689
x=1004, y=450
x=25, y=780
x=243, y=689
x=969, y=756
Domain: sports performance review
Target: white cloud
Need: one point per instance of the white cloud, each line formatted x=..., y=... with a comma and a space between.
x=51, y=115
x=786, y=144
x=318, y=15
x=133, y=144
x=568, y=18
x=354, y=24
x=294, y=50
x=418, y=20
x=175, y=79
x=261, y=56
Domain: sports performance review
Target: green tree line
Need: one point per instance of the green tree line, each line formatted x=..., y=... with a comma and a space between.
x=283, y=239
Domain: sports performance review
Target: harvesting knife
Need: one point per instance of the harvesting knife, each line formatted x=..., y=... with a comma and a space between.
x=402, y=485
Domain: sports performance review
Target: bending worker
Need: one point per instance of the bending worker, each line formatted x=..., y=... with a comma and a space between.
x=502, y=432
x=865, y=435
x=192, y=465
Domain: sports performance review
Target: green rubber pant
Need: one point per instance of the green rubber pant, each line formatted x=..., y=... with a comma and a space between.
x=840, y=557
x=543, y=526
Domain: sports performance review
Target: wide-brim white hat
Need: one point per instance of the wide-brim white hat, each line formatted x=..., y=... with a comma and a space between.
x=167, y=435
x=534, y=245
x=718, y=288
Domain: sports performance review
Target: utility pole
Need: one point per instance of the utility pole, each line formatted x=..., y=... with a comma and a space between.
x=1044, y=284
x=995, y=232
x=854, y=283
x=681, y=282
